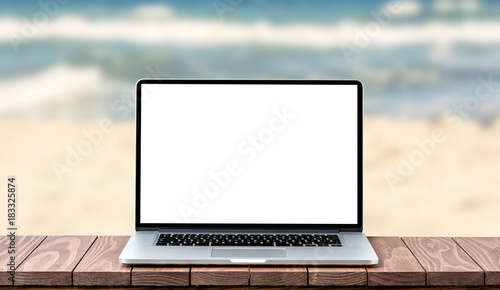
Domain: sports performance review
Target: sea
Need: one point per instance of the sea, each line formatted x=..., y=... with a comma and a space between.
x=416, y=59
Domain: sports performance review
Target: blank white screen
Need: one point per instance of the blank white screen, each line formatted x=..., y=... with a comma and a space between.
x=283, y=154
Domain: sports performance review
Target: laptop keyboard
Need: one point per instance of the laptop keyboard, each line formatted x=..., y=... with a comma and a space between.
x=263, y=240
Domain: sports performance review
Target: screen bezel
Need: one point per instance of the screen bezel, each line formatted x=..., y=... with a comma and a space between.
x=251, y=227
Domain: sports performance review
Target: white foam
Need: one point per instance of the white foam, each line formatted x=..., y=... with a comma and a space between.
x=169, y=29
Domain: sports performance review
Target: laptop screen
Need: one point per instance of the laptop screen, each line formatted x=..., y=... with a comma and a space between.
x=248, y=153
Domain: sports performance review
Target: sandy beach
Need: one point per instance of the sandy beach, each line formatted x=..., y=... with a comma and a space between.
x=453, y=191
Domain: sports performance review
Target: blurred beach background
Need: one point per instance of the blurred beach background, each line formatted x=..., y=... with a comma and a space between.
x=68, y=66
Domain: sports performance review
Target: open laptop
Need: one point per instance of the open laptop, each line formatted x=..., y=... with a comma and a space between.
x=249, y=172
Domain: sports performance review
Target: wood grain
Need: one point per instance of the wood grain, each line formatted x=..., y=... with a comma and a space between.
x=445, y=263
x=160, y=276
x=53, y=261
x=486, y=253
x=24, y=245
x=220, y=276
x=456, y=262
x=278, y=276
x=397, y=266
x=337, y=276
x=100, y=266
x=255, y=288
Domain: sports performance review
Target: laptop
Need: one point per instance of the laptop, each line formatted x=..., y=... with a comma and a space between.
x=239, y=172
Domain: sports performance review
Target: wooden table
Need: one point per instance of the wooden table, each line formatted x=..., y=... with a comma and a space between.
x=419, y=262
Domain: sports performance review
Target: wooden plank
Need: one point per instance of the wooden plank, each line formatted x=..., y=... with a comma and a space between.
x=486, y=253
x=445, y=263
x=160, y=276
x=278, y=276
x=337, y=276
x=397, y=266
x=53, y=261
x=254, y=288
x=23, y=246
x=100, y=266
x=220, y=276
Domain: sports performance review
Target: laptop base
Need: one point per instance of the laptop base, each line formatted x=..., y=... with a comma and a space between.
x=141, y=249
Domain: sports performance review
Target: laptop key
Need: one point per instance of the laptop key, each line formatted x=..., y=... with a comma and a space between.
x=259, y=240
x=282, y=245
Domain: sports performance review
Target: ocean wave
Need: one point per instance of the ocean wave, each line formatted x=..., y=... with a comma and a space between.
x=213, y=33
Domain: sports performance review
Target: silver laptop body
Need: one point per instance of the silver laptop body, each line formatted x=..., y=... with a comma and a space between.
x=249, y=172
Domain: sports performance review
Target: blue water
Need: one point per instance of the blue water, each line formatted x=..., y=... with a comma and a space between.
x=409, y=90
x=276, y=11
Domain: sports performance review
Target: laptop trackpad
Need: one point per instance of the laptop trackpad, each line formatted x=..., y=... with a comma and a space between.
x=248, y=253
